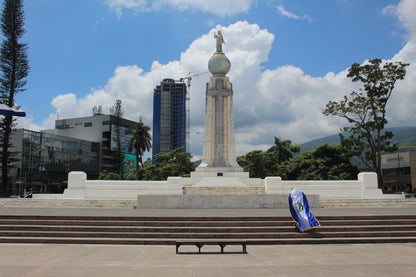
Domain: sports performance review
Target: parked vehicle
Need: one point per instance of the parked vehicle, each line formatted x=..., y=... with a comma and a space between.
x=405, y=194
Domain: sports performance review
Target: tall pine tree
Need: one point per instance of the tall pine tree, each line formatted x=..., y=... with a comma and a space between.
x=117, y=113
x=14, y=69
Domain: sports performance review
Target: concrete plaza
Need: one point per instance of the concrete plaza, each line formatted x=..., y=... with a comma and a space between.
x=261, y=260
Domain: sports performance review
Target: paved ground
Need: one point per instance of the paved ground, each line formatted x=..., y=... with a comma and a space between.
x=285, y=260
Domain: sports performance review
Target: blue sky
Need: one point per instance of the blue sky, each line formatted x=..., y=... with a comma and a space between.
x=289, y=58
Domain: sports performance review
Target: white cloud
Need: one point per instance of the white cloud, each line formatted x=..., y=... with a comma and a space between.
x=282, y=11
x=218, y=7
x=405, y=12
x=403, y=100
x=283, y=102
x=119, y=5
x=292, y=15
x=27, y=122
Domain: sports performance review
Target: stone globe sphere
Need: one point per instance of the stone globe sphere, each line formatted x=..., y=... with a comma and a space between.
x=219, y=64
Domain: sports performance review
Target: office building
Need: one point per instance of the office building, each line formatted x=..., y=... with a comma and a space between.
x=78, y=144
x=100, y=128
x=44, y=160
x=399, y=172
x=169, y=116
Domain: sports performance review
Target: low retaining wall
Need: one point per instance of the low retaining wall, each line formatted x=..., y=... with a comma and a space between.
x=218, y=201
x=365, y=187
x=81, y=188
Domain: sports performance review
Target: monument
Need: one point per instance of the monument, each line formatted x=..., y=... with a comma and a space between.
x=219, y=182
x=219, y=143
x=219, y=167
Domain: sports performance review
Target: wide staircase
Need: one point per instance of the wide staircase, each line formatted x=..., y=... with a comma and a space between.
x=146, y=230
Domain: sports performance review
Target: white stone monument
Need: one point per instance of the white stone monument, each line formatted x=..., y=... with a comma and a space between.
x=219, y=182
x=219, y=142
x=219, y=165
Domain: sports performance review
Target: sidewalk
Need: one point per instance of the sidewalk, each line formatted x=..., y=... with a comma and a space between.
x=286, y=260
x=261, y=260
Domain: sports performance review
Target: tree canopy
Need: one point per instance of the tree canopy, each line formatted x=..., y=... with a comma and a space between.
x=260, y=164
x=141, y=142
x=283, y=150
x=326, y=162
x=365, y=111
x=173, y=163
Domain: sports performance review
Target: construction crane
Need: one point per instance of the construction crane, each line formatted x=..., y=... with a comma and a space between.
x=188, y=80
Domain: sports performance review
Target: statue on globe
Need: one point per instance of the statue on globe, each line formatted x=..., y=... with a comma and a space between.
x=220, y=41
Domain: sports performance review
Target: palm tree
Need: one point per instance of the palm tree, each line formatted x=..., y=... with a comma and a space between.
x=283, y=149
x=141, y=141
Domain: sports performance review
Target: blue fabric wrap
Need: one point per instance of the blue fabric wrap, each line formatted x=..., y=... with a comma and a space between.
x=305, y=220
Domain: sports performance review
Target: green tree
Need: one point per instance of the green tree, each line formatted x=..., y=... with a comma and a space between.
x=326, y=162
x=173, y=163
x=14, y=67
x=365, y=111
x=283, y=149
x=117, y=113
x=270, y=163
x=259, y=164
x=141, y=142
x=107, y=175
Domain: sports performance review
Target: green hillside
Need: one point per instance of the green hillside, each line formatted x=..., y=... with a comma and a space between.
x=403, y=136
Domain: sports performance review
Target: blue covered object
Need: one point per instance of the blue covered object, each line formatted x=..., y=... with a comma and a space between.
x=6, y=110
x=301, y=213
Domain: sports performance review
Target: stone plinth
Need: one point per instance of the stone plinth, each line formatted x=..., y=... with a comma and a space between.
x=223, y=177
x=218, y=201
x=225, y=190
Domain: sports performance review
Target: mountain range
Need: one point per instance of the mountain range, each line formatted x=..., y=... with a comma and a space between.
x=403, y=136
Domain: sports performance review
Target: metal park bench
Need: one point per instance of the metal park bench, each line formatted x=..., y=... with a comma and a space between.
x=221, y=243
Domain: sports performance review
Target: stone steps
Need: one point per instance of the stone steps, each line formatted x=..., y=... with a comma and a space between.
x=224, y=181
x=209, y=190
x=166, y=230
x=130, y=204
x=173, y=242
x=188, y=230
x=189, y=235
x=67, y=203
x=368, y=203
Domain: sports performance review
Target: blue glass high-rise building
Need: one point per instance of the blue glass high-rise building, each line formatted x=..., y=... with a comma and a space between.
x=169, y=116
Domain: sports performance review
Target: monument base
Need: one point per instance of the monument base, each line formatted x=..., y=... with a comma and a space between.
x=223, y=177
x=277, y=201
x=194, y=190
x=206, y=169
x=231, y=183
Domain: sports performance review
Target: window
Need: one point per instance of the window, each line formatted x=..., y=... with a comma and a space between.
x=87, y=124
